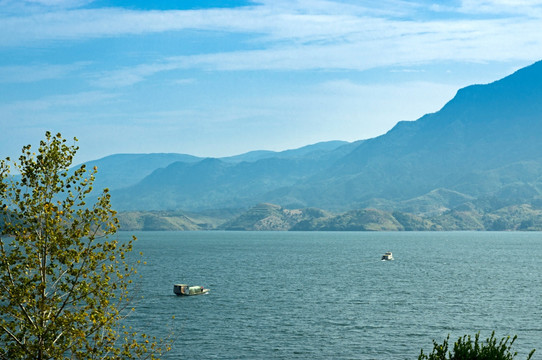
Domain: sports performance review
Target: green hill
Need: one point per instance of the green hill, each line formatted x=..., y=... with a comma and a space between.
x=480, y=216
x=272, y=217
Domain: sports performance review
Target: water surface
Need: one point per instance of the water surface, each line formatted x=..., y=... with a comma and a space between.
x=327, y=295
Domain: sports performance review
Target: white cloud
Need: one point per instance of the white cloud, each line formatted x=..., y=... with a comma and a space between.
x=58, y=3
x=377, y=43
x=290, y=21
x=300, y=34
x=296, y=35
x=33, y=73
x=52, y=102
x=288, y=35
x=26, y=7
x=131, y=75
x=111, y=22
x=524, y=7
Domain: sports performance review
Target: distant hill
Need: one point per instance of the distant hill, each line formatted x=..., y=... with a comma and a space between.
x=271, y=217
x=481, y=152
x=175, y=220
x=123, y=170
x=466, y=217
x=216, y=183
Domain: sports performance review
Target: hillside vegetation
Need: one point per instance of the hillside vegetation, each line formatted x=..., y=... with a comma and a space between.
x=270, y=217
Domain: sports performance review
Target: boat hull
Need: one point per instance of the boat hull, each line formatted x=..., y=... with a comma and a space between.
x=205, y=291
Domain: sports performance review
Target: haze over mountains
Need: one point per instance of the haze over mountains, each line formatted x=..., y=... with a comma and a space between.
x=481, y=151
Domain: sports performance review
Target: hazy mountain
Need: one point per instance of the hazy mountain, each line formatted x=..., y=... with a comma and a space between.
x=226, y=183
x=486, y=139
x=483, y=144
x=122, y=170
x=314, y=150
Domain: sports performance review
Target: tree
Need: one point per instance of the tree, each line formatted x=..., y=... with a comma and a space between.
x=466, y=349
x=64, y=283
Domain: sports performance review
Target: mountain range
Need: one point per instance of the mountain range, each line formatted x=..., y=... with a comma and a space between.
x=480, y=152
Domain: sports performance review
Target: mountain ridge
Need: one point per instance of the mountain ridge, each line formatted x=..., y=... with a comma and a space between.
x=483, y=143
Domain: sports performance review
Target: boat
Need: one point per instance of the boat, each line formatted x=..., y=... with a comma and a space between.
x=387, y=256
x=187, y=290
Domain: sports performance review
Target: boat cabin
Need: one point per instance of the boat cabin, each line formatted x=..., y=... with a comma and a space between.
x=387, y=256
x=187, y=290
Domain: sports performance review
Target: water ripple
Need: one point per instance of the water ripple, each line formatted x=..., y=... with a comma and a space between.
x=328, y=295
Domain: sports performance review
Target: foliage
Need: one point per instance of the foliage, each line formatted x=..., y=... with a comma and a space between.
x=65, y=285
x=465, y=349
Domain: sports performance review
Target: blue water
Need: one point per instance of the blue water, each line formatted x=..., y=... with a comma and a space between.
x=327, y=295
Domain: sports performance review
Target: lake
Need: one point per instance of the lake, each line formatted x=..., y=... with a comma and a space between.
x=327, y=295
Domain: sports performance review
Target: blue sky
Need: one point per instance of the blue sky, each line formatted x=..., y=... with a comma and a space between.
x=218, y=78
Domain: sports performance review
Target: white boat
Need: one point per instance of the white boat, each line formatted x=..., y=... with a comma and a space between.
x=187, y=290
x=387, y=256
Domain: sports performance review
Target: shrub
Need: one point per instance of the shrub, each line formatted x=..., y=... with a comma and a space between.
x=465, y=349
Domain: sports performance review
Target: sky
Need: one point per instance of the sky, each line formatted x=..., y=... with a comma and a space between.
x=223, y=77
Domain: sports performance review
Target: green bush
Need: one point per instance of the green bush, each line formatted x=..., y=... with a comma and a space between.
x=465, y=349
